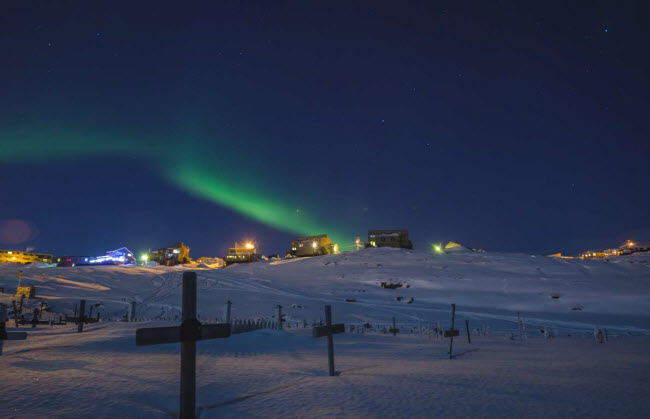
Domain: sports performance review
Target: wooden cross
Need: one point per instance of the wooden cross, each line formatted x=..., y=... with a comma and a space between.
x=187, y=334
x=82, y=316
x=4, y=335
x=328, y=330
x=452, y=332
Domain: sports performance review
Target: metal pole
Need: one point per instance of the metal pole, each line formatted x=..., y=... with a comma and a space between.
x=228, y=305
x=330, y=339
x=469, y=339
x=451, y=338
x=188, y=350
x=394, y=327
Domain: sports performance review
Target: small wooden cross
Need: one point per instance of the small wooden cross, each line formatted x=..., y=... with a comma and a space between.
x=328, y=330
x=190, y=331
x=4, y=335
x=394, y=330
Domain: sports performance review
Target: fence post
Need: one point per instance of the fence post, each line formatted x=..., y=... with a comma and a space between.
x=469, y=339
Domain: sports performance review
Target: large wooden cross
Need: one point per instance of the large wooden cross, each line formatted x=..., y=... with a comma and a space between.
x=187, y=334
x=452, y=332
x=328, y=330
x=4, y=335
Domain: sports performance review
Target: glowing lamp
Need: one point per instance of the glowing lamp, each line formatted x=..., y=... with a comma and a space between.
x=314, y=245
x=144, y=258
x=249, y=245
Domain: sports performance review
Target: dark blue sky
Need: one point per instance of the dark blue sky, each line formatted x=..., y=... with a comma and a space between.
x=507, y=126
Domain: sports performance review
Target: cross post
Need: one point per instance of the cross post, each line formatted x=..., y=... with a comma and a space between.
x=278, y=315
x=15, y=313
x=394, y=330
x=452, y=332
x=4, y=335
x=190, y=331
x=34, y=317
x=131, y=312
x=328, y=330
x=82, y=316
x=228, y=305
x=469, y=339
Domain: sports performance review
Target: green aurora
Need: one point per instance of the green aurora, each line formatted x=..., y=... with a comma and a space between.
x=198, y=170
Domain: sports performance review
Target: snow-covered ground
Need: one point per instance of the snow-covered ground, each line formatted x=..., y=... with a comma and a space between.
x=487, y=288
x=101, y=372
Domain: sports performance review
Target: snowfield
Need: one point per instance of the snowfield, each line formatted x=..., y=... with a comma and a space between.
x=284, y=373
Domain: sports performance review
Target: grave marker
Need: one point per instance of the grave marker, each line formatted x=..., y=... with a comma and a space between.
x=452, y=332
x=4, y=335
x=279, y=316
x=190, y=331
x=228, y=305
x=82, y=316
x=130, y=316
x=328, y=330
x=394, y=330
x=15, y=313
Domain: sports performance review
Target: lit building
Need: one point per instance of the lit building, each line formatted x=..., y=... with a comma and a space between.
x=121, y=256
x=561, y=256
x=63, y=261
x=242, y=254
x=389, y=238
x=313, y=246
x=23, y=257
x=177, y=253
x=591, y=254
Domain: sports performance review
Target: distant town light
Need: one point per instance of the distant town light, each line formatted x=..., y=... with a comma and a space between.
x=249, y=245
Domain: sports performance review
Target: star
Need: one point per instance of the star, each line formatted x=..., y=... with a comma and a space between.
x=606, y=30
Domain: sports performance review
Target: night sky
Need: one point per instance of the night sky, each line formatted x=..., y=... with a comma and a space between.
x=508, y=126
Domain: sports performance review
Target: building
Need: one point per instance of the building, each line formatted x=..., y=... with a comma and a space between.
x=23, y=257
x=592, y=254
x=242, y=254
x=63, y=261
x=561, y=256
x=389, y=238
x=613, y=252
x=632, y=247
x=313, y=246
x=177, y=253
x=121, y=256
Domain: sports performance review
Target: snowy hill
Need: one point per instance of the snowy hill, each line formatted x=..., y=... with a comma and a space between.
x=273, y=373
x=490, y=287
